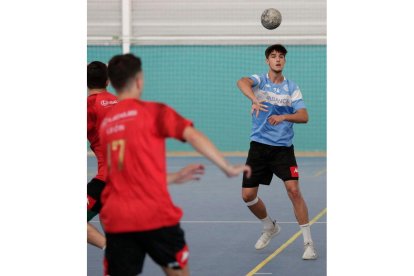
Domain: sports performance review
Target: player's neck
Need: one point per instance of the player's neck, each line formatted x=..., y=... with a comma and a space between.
x=129, y=94
x=96, y=91
x=276, y=77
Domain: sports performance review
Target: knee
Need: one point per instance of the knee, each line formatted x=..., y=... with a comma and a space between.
x=294, y=193
x=248, y=197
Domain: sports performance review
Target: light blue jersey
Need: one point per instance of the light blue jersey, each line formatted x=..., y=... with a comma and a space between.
x=283, y=98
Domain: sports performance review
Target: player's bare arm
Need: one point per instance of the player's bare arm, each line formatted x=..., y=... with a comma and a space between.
x=245, y=85
x=204, y=146
x=300, y=117
x=188, y=173
x=95, y=237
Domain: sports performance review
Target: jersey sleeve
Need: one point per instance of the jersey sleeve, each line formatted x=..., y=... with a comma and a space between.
x=297, y=100
x=256, y=80
x=171, y=124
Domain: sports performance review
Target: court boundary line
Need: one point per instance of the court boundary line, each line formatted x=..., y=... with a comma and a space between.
x=233, y=154
x=320, y=172
x=284, y=246
x=232, y=221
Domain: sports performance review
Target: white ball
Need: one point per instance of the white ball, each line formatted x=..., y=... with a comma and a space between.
x=271, y=18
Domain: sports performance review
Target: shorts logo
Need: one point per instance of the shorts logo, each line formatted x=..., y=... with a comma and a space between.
x=91, y=202
x=182, y=256
x=294, y=171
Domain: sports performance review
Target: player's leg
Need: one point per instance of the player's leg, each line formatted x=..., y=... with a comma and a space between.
x=175, y=272
x=260, y=174
x=299, y=205
x=250, y=186
x=95, y=237
x=94, y=190
x=286, y=169
x=167, y=247
x=124, y=254
x=258, y=208
x=253, y=202
x=301, y=212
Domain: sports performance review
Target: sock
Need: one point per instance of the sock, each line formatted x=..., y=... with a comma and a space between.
x=267, y=223
x=306, y=233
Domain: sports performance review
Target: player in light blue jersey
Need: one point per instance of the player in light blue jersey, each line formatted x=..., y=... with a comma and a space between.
x=276, y=105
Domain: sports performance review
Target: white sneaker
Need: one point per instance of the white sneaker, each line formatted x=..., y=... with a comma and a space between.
x=266, y=236
x=310, y=252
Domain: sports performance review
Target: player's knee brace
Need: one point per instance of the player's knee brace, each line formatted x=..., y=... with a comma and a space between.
x=253, y=202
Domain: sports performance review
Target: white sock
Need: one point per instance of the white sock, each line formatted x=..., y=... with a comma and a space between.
x=307, y=238
x=267, y=223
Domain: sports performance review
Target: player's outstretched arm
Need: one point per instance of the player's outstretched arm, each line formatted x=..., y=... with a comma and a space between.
x=245, y=86
x=95, y=237
x=188, y=173
x=203, y=145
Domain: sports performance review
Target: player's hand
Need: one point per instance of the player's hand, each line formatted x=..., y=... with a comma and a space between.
x=276, y=119
x=258, y=106
x=235, y=170
x=188, y=173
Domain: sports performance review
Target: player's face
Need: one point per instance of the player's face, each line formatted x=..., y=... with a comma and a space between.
x=276, y=61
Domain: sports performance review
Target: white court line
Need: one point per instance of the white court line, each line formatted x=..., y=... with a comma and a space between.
x=233, y=221
x=320, y=172
x=257, y=273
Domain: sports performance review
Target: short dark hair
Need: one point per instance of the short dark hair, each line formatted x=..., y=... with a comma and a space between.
x=122, y=68
x=276, y=47
x=97, y=75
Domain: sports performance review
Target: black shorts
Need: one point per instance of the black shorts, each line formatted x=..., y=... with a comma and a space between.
x=95, y=188
x=266, y=160
x=125, y=252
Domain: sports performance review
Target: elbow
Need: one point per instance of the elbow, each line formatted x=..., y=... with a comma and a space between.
x=239, y=82
x=304, y=117
x=243, y=81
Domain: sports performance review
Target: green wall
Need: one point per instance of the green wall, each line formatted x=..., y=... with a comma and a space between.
x=200, y=83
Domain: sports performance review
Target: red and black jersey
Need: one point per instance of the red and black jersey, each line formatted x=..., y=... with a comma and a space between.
x=98, y=105
x=136, y=196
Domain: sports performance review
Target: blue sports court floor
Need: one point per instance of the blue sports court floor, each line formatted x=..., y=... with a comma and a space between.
x=221, y=231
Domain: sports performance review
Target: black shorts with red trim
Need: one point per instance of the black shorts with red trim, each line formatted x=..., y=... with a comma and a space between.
x=266, y=160
x=95, y=188
x=125, y=252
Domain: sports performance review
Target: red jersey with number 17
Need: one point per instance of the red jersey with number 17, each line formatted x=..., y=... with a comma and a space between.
x=136, y=196
x=98, y=105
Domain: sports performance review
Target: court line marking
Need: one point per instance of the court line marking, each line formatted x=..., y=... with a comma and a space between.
x=283, y=246
x=319, y=173
x=238, y=221
x=233, y=221
x=232, y=154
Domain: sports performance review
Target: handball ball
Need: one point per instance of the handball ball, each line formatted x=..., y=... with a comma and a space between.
x=271, y=18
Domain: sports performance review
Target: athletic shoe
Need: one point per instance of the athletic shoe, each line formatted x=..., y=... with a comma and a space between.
x=310, y=252
x=266, y=236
